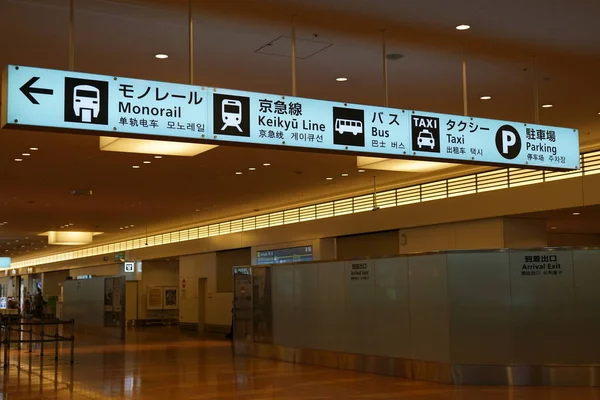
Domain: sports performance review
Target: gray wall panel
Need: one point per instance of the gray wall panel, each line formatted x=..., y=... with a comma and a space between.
x=587, y=300
x=360, y=299
x=429, y=308
x=543, y=307
x=83, y=300
x=306, y=286
x=332, y=303
x=480, y=314
x=391, y=327
x=284, y=321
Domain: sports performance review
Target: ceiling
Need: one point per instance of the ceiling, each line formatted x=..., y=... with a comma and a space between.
x=121, y=38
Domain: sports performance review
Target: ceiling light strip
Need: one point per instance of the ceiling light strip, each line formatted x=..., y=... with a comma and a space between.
x=460, y=186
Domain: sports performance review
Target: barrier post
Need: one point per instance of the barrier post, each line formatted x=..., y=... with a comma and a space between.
x=20, y=334
x=42, y=342
x=2, y=336
x=56, y=343
x=72, y=341
x=7, y=344
x=30, y=338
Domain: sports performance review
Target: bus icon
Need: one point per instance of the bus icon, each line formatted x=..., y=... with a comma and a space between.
x=231, y=114
x=86, y=102
x=348, y=126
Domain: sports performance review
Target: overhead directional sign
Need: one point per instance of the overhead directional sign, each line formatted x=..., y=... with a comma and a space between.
x=115, y=106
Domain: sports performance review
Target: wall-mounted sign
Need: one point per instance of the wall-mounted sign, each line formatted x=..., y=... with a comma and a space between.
x=120, y=256
x=129, y=266
x=124, y=107
x=360, y=271
x=84, y=276
x=282, y=256
x=542, y=264
x=4, y=262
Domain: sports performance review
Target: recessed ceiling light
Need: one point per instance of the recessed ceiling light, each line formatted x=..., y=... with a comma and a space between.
x=267, y=164
x=361, y=171
x=547, y=106
x=135, y=166
x=147, y=162
x=33, y=149
x=251, y=169
x=132, y=225
x=463, y=27
x=485, y=97
x=157, y=156
x=161, y=56
x=576, y=213
x=238, y=173
x=344, y=174
x=552, y=227
x=18, y=159
x=341, y=79
x=121, y=228
x=329, y=179
x=26, y=154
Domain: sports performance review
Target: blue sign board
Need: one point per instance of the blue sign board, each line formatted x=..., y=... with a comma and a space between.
x=4, y=262
x=115, y=106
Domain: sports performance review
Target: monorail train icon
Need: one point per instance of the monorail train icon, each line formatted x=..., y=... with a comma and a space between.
x=231, y=114
x=86, y=102
x=348, y=126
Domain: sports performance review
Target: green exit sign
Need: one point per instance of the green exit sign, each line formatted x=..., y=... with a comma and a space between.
x=120, y=256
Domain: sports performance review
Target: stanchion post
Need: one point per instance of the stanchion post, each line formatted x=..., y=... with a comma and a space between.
x=30, y=338
x=2, y=336
x=20, y=334
x=7, y=344
x=72, y=341
x=42, y=342
x=56, y=344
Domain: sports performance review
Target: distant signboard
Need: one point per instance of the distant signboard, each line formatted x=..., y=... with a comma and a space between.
x=282, y=256
x=129, y=266
x=5, y=262
x=119, y=257
x=115, y=106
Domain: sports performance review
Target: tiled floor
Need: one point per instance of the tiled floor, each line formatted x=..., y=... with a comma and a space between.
x=167, y=365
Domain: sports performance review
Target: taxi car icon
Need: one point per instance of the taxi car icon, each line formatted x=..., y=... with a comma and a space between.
x=426, y=139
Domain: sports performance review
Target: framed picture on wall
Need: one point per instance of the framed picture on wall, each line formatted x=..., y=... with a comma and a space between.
x=154, y=298
x=171, y=298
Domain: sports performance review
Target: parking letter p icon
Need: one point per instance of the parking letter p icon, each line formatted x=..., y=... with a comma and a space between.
x=508, y=142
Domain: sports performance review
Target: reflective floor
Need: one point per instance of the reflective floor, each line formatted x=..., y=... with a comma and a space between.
x=162, y=363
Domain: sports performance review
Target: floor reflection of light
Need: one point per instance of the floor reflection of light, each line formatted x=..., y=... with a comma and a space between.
x=128, y=384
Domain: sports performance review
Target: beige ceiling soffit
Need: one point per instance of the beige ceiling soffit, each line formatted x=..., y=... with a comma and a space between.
x=153, y=147
x=64, y=238
x=400, y=165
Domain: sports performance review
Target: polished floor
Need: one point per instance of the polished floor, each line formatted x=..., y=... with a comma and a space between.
x=162, y=363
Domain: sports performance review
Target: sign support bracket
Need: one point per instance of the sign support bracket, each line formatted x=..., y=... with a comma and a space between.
x=385, y=68
x=191, y=41
x=294, y=85
x=464, y=84
x=536, y=92
x=72, y=35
